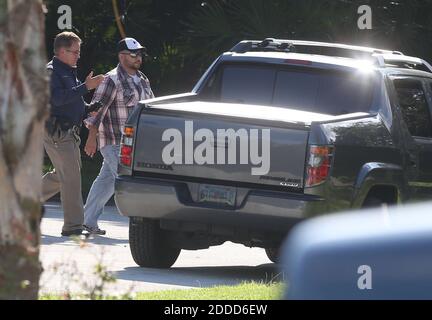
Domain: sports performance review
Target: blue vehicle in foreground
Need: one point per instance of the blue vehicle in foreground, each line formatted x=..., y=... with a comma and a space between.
x=381, y=253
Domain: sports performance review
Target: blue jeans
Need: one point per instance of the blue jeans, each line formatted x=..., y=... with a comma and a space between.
x=102, y=188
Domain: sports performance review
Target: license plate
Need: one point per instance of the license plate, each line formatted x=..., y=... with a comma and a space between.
x=217, y=194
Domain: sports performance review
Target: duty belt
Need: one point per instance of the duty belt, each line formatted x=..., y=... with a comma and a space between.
x=55, y=125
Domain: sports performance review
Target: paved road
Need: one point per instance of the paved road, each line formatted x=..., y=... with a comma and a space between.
x=69, y=264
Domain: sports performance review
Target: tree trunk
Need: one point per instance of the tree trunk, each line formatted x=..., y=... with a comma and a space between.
x=23, y=110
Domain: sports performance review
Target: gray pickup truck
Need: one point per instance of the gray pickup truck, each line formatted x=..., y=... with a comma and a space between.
x=274, y=132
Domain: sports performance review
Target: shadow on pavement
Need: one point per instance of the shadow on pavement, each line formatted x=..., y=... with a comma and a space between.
x=103, y=240
x=203, y=276
x=48, y=239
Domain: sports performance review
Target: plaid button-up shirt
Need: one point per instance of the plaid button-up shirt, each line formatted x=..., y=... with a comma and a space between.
x=118, y=95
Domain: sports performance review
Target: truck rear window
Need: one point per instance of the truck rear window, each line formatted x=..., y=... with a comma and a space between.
x=307, y=89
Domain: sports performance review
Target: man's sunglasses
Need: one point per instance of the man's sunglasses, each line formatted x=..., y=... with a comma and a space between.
x=134, y=54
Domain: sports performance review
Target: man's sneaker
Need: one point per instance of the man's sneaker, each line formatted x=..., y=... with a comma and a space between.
x=74, y=232
x=94, y=230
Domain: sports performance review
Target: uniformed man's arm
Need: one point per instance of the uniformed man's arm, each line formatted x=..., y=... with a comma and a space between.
x=61, y=95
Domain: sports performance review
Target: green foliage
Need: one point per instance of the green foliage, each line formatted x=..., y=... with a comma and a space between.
x=94, y=22
x=217, y=25
x=183, y=37
x=77, y=284
x=157, y=24
x=97, y=291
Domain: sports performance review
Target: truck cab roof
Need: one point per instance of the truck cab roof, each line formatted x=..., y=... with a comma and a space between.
x=327, y=55
x=311, y=60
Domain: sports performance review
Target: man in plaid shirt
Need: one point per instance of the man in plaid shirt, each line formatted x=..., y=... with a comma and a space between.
x=122, y=88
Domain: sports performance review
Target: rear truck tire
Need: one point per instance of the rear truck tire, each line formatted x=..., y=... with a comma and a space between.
x=373, y=202
x=272, y=254
x=148, y=245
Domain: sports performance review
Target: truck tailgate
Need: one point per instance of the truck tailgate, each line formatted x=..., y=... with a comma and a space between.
x=276, y=159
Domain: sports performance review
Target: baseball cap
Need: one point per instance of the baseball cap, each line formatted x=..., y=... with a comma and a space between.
x=130, y=44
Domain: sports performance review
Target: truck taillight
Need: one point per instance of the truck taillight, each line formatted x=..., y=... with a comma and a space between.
x=126, y=147
x=319, y=164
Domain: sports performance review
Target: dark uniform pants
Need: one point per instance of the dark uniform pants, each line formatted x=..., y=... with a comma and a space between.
x=63, y=150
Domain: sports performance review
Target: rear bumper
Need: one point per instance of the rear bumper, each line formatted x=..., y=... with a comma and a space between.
x=170, y=200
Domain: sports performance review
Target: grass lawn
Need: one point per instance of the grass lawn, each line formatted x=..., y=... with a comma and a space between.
x=245, y=291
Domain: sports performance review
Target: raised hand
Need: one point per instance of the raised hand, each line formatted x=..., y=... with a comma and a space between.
x=93, y=82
